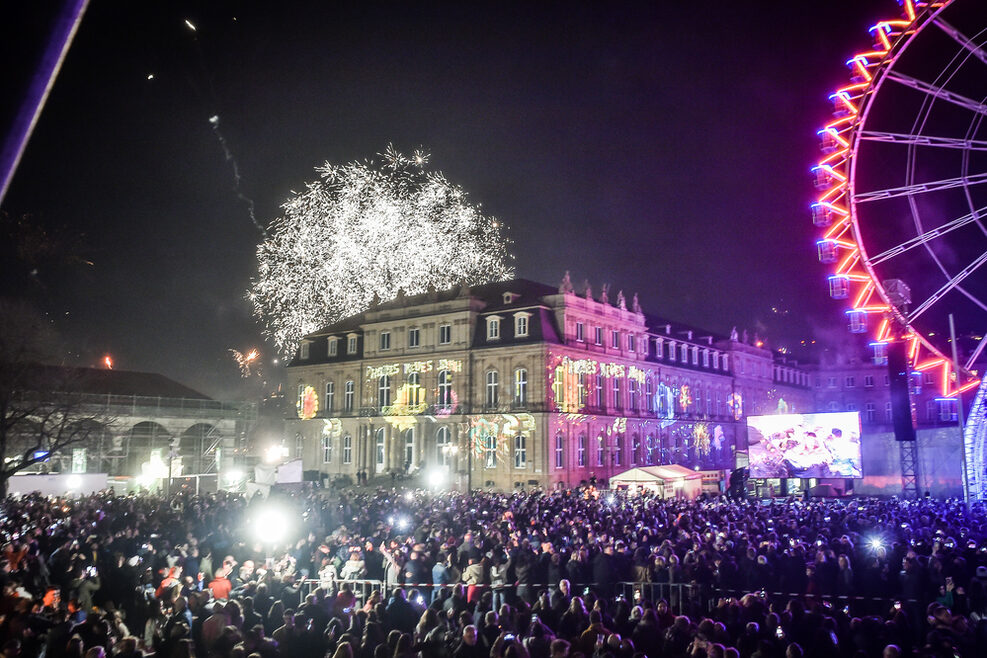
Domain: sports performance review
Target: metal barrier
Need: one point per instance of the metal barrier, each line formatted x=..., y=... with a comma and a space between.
x=682, y=598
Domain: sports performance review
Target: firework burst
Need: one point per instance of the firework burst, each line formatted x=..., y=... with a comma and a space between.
x=246, y=361
x=367, y=230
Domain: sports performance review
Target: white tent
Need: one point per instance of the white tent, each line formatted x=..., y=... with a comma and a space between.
x=669, y=481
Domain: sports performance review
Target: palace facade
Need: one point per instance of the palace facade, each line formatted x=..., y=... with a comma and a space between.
x=518, y=383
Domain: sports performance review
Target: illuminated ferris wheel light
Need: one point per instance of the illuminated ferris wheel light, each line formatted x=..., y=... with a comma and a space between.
x=853, y=202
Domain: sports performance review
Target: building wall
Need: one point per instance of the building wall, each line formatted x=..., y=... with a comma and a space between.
x=679, y=399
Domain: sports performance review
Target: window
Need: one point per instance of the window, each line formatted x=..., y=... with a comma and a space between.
x=445, y=334
x=581, y=392
x=631, y=343
x=600, y=449
x=409, y=448
x=326, y=449
x=649, y=395
x=928, y=378
x=635, y=450
x=489, y=443
x=493, y=328
x=521, y=324
x=414, y=337
x=598, y=392
x=616, y=393
x=852, y=406
x=333, y=346
x=384, y=391
x=831, y=382
x=726, y=363
x=330, y=396
x=520, y=451
x=705, y=358
x=347, y=449
x=348, y=396
x=716, y=360
x=871, y=412
x=385, y=340
x=615, y=340
x=493, y=383
x=304, y=349
x=834, y=406
x=598, y=335
x=351, y=345
x=869, y=381
x=580, y=331
x=379, y=449
x=559, y=457
x=850, y=381
x=443, y=447
x=581, y=451
x=695, y=356
x=445, y=389
x=415, y=392
x=520, y=387
x=671, y=351
x=887, y=412
x=618, y=450
x=632, y=394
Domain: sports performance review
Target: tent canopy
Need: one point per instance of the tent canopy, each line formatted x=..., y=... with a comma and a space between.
x=652, y=473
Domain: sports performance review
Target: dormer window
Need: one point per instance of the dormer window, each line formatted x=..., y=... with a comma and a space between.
x=304, y=350
x=493, y=327
x=521, y=324
x=351, y=344
x=509, y=297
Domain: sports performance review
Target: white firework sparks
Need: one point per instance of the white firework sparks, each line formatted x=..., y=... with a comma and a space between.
x=366, y=230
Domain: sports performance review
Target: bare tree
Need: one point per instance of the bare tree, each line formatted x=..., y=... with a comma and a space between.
x=43, y=407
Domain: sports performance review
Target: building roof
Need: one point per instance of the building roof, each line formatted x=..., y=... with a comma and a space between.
x=100, y=381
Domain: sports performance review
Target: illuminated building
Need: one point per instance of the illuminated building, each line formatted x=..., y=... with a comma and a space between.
x=518, y=383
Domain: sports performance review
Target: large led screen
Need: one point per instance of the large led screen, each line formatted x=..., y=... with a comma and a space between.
x=804, y=445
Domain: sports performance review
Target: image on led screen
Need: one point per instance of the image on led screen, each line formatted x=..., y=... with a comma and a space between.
x=804, y=445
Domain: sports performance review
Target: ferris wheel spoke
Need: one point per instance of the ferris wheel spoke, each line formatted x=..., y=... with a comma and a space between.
x=928, y=236
x=924, y=140
x=962, y=39
x=949, y=285
x=920, y=188
x=938, y=92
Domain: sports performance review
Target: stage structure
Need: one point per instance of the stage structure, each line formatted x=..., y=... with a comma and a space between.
x=902, y=202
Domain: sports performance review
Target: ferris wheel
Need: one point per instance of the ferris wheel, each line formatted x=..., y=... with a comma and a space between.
x=903, y=187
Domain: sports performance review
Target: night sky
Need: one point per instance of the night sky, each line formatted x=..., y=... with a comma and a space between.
x=661, y=147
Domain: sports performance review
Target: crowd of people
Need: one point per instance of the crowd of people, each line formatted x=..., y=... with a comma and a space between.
x=578, y=573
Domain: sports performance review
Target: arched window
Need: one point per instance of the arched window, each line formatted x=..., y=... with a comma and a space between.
x=520, y=451
x=600, y=449
x=347, y=449
x=409, y=448
x=632, y=394
x=581, y=450
x=443, y=447
x=330, y=396
x=445, y=389
x=618, y=450
x=414, y=390
x=520, y=387
x=326, y=448
x=379, y=449
x=493, y=385
x=489, y=451
x=559, y=455
x=649, y=395
x=384, y=391
x=348, y=399
x=635, y=450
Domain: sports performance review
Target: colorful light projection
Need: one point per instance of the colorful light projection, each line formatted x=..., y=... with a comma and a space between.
x=409, y=402
x=735, y=403
x=308, y=403
x=491, y=435
x=414, y=367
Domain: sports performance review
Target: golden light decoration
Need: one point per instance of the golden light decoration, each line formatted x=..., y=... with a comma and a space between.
x=308, y=403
